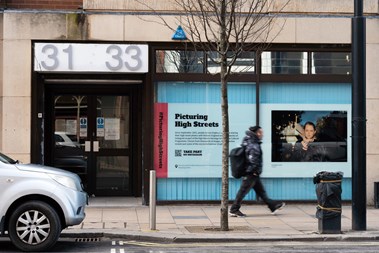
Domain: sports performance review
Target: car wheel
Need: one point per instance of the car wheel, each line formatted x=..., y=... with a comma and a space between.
x=34, y=226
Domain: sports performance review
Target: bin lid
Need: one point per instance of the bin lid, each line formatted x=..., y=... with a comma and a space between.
x=327, y=175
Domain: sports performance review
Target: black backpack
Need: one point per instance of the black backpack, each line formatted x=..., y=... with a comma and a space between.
x=238, y=162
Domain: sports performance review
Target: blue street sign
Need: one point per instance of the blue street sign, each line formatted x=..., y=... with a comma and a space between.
x=179, y=34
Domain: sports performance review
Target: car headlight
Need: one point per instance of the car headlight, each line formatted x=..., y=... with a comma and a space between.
x=65, y=181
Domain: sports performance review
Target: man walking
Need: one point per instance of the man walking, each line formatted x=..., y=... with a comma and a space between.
x=252, y=143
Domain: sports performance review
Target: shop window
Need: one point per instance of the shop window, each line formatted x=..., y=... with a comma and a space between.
x=188, y=126
x=286, y=108
x=245, y=63
x=331, y=63
x=284, y=62
x=179, y=61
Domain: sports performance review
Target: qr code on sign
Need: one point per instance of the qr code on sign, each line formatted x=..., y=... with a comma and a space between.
x=178, y=152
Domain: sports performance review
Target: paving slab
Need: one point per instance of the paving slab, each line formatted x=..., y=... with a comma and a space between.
x=125, y=217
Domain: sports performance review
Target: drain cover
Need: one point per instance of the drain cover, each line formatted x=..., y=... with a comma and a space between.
x=87, y=239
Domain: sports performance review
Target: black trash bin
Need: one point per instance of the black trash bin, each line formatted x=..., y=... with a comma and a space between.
x=328, y=190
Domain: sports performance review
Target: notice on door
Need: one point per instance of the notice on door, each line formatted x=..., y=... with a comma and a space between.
x=83, y=127
x=100, y=127
x=71, y=126
x=112, y=129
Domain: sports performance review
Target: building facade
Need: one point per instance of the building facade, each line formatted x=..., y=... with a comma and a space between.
x=101, y=88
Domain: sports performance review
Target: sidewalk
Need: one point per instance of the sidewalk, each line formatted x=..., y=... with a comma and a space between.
x=125, y=217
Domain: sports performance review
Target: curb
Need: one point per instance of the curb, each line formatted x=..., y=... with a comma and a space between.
x=168, y=238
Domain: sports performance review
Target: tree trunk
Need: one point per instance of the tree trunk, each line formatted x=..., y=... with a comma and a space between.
x=225, y=153
x=225, y=121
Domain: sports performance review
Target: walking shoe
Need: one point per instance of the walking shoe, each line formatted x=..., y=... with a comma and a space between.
x=237, y=213
x=278, y=207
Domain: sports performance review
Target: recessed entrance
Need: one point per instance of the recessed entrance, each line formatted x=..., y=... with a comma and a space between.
x=91, y=131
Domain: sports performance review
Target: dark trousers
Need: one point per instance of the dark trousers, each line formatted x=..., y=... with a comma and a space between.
x=254, y=182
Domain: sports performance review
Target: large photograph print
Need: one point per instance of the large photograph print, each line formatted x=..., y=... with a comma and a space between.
x=309, y=136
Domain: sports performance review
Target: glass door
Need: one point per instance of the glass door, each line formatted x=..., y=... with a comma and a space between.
x=91, y=134
x=110, y=144
x=68, y=152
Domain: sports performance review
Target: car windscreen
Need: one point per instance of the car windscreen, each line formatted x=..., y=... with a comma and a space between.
x=6, y=159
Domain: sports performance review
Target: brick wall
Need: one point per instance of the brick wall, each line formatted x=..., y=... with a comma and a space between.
x=42, y=4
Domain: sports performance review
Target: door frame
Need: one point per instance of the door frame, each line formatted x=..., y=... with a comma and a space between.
x=47, y=85
x=90, y=176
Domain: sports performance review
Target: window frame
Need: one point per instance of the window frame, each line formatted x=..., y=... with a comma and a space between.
x=257, y=76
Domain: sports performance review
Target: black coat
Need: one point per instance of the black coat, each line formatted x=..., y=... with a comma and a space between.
x=315, y=153
x=253, y=153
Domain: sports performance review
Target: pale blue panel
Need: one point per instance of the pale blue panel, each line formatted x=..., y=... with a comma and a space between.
x=241, y=93
x=299, y=188
x=194, y=92
x=181, y=189
x=305, y=93
x=198, y=189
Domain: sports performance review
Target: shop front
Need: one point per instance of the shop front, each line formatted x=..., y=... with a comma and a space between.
x=90, y=123
x=104, y=91
x=105, y=116
x=280, y=89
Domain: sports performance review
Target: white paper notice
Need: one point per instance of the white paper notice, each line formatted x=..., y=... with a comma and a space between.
x=112, y=129
x=71, y=126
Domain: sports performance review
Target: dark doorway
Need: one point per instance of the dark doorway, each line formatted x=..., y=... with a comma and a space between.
x=92, y=131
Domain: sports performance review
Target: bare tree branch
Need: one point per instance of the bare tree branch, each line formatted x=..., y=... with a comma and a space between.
x=223, y=30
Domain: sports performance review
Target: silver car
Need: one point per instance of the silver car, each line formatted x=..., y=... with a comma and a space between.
x=37, y=202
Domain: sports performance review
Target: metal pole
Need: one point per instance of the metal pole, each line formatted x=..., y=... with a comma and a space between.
x=153, y=199
x=359, y=118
